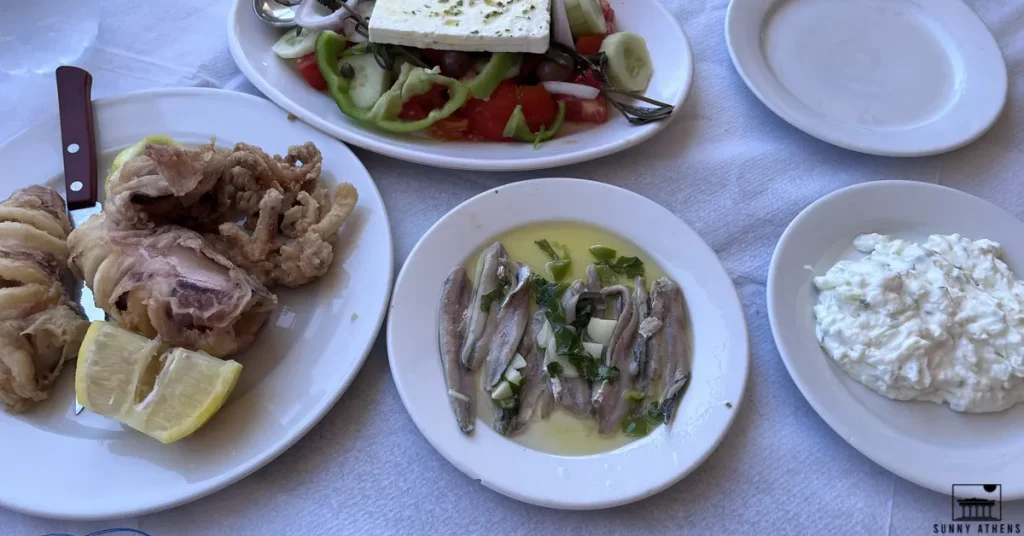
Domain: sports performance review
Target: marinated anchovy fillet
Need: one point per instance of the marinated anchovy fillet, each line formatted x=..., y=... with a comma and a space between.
x=644, y=367
x=571, y=298
x=594, y=285
x=481, y=319
x=572, y=394
x=454, y=299
x=609, y=399
x=532, y=387
x=671, y=343
x=511, y=321
x=642, y=309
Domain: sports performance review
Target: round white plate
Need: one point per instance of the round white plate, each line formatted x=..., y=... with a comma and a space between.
x=632, y=472
x=88, y=467
x=886, y=77
x=925, y=443
x=250, y=41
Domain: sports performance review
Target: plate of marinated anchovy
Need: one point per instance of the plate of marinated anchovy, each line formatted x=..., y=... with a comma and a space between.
x=569, y=342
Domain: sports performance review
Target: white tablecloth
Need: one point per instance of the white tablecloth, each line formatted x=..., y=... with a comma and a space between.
x=733, y=170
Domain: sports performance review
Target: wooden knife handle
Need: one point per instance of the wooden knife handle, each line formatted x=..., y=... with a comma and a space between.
x=74, y=90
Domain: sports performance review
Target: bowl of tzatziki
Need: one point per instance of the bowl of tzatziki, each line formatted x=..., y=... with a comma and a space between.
x=898, y=310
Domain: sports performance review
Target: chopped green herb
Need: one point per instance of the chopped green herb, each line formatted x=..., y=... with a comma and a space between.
x=496, y=294
x=603, y=253
x=642, y=423
x=627, y=266
x=545, y=246
x=636, y=427
x=544, y=292
x=585, y=365
x=555, y=369
x=605, y=373
x=655, y=411
x=558, y=269
x=607, y=275
x=506, y=403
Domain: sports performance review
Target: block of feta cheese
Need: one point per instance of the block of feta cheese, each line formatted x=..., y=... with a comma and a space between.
x=469, y=25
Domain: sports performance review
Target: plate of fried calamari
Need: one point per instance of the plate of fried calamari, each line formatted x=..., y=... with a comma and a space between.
x=206, y=315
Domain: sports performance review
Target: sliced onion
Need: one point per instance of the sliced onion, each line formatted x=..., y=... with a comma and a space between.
x=310, y=15
x=560, y=31
x=348, y=28
x=580, y=91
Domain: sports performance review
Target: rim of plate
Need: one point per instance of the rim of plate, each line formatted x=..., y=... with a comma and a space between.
x=662, y=458
x=316, y=413
x=865, y=443
x=354, y=133
x=982, y=92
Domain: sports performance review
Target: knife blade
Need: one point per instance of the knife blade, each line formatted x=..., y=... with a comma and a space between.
x=74, y=99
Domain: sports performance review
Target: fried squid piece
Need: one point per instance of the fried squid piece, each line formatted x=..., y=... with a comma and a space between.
x=271, y=215
x=39, y=330
x=158, y=182
x=168, y=282
x=297, y=250
x=163, y=184
x=32, y=352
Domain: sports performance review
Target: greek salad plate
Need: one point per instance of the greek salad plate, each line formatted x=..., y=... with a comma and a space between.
x=405, y=117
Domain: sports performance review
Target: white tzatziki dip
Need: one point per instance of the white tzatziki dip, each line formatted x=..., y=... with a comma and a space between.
x=941, y=321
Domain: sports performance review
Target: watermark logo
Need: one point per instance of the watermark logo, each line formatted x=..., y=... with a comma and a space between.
x=977, y=502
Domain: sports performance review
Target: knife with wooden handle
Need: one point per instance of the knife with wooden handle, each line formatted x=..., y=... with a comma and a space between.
x=74, y=97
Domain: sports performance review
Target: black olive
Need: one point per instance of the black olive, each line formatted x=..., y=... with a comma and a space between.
x=455, y=64
x=549, y=71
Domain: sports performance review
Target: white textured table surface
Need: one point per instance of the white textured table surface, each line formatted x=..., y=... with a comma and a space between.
x=735, y=172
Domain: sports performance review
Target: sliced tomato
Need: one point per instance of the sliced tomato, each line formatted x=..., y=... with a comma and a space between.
x=609, y=17
x=309, y=71
x=451, y=128
x=487, y=118
x=589, y=44
x=538, y=106
x=584, y=110
x=420, y=106
x=587, y=79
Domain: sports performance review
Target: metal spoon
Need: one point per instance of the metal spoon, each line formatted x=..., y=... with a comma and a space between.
x=279, y=13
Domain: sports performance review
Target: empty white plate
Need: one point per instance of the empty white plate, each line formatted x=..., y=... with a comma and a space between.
x=886, y=77
x=925, y=443
x=625, y=474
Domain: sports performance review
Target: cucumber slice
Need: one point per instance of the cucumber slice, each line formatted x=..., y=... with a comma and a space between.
x=369, y=81
x=296, y=43
x=629, y=62
x=585, y=17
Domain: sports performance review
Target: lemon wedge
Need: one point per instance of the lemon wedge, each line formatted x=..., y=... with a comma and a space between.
x=132, y=152
x=166, y=395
